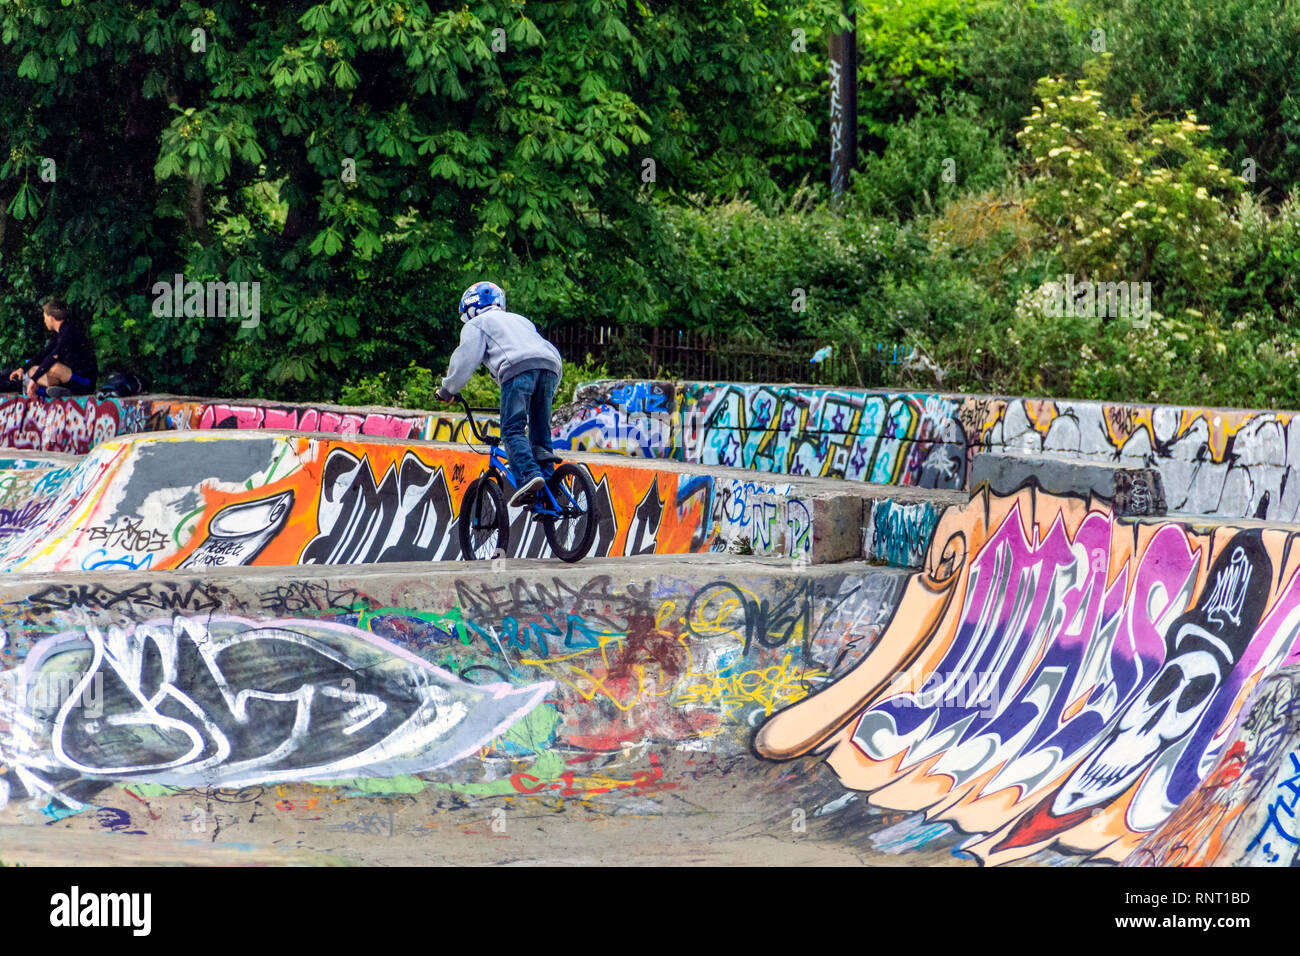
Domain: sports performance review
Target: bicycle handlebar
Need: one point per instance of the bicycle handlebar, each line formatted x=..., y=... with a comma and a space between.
x=473, y=425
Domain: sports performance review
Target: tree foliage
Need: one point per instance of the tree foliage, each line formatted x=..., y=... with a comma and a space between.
x=363, y=160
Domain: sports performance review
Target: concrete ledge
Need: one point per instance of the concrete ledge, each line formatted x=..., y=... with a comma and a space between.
x=897, y=532
x=156, y=500
x=837, y=528
x=1131, y=491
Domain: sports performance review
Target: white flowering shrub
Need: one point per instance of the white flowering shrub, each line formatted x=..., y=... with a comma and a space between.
x=1129, y=198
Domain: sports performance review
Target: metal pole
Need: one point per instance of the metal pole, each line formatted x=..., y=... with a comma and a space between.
x=844, y=106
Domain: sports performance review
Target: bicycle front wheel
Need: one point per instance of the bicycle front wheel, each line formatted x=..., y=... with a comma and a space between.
x=571, y=533
x=484, y=524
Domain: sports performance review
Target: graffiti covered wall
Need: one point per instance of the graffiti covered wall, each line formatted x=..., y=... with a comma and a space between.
x=335, y=502
x=887, y=439
x=66, y=425
x=185, y=414
x=1055, y=677
x=1244, y=812
x=506, y=684
x=1213, y=461
x=221, y=499
x=1054, y=681
x=76, y=425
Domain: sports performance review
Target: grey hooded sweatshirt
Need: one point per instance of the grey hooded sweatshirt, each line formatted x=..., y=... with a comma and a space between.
x=508, y=343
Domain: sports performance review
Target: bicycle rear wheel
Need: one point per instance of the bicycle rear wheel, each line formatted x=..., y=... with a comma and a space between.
x=484, y=524
x=571, y=533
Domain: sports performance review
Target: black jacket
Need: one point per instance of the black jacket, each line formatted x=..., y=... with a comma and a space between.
x=71, y=346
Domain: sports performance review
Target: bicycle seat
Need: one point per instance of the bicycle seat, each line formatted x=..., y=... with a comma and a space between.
x=546, y=457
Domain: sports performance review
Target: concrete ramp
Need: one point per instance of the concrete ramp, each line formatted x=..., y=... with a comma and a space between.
x=231, y=499
x=1244, y=813
x=1054, y=684
x=239, y=498
x=411, y=713
x=1056, y=678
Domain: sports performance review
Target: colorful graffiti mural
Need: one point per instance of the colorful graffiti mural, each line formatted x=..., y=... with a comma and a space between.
x=1213, y=461
x=37, y=505
x=66, y=425
x=889, y=439
x=1235, y=463
x=490, y=684
x=340, y=503
x=1053, y=681
x=230, y=702
x=185, y=414
x=221, y=499
x=1244, y=812
x=898, y=533
x=1055, y=677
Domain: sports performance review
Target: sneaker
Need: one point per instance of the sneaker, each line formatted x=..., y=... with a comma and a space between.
x=56, y=391
x=524, y=496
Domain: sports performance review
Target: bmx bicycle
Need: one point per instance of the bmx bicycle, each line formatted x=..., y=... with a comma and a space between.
x=565, y=506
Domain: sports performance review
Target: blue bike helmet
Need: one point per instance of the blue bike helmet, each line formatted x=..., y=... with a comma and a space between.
x=481, y=297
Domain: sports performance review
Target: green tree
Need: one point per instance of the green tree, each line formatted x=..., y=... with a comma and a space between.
x=1235, y=63
x=363, y=160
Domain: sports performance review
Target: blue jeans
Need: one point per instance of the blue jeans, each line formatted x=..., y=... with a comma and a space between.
x=526, y=422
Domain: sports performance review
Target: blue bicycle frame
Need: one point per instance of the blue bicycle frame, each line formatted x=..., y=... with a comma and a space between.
x=499, y=470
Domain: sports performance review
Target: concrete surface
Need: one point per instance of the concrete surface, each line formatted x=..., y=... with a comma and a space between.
x=640, y=738
x=215, y=646
x=1244, y=813
x=1129, y=491
x=700, y=708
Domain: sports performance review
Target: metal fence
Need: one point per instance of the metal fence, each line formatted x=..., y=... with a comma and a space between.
x=639, y=352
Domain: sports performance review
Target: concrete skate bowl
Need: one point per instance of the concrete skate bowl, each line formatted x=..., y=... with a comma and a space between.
x=1057, y=679
x=408, y=713
x=1055, y=686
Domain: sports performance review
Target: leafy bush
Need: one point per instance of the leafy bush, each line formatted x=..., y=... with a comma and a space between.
x=945, y=150
x=411, y=387
x=1191, y=358
x=735, y=268
x=1267, y=263
x=1131, y=198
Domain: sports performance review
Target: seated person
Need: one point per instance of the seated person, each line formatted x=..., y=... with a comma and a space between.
x=66, y=367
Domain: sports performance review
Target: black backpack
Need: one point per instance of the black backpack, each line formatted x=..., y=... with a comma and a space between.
x=122, y=385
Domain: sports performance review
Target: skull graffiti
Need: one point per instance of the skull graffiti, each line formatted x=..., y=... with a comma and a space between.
x=1204, y=646
x=1175, y=701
